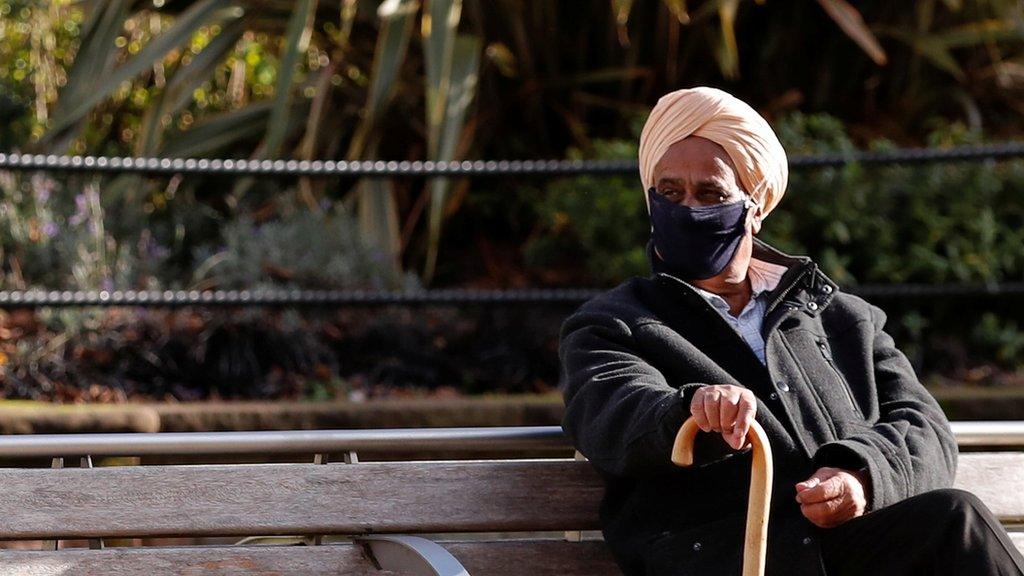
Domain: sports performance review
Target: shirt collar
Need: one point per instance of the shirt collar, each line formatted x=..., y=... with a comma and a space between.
x=764, y=277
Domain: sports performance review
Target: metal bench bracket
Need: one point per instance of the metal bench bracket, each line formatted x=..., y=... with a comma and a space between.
x=575, y=535
x=412, y=554
x=53, y=544
x=94, y=543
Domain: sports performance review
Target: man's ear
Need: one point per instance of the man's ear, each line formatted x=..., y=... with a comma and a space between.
x=756, y=215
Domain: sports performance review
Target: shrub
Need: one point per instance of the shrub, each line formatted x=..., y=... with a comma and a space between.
x=929, y=223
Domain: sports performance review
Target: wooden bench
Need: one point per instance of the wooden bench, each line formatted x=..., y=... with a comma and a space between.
x=447, y=517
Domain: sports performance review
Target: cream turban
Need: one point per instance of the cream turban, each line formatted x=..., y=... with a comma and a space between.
x=727, y=121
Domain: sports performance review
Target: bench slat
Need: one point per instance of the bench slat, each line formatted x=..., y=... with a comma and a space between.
x=998, y=479
x=535, y=557
x=385, y=497
x=538, y=558
x=331, y=560
x=484, y=558
x=1018, y=540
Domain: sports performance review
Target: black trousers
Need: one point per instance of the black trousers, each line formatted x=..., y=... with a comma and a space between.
x=939, y=532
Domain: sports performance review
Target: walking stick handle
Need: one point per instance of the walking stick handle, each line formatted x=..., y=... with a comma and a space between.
x=756, y=540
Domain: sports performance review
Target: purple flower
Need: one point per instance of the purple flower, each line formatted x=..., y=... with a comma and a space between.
x=81, y=211
x=42, y=187
x=155, y=250
x=50, y=229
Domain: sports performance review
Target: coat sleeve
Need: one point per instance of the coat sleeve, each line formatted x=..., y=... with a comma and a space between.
x=620, y=412
x=911, y=448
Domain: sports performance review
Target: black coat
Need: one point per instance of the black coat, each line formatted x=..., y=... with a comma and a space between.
x=835, y=392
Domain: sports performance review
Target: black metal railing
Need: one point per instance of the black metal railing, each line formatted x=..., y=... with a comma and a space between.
x=405, y=168
x=336, y=298
x=466, y=168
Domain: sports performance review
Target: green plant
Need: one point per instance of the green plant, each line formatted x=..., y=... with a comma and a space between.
x=51, y=238
x=322, y=79
x=953, y=222
x=598, y=221
x=1000, y=339
x=265, y=80
x=932, y=223
x=299, y=249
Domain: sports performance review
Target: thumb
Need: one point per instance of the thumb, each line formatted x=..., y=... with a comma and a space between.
x=807, y=484
x=818, y=477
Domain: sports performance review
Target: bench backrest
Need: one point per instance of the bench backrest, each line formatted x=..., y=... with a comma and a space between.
x=998, y=479
x=357, y=498
x=372, y=497
x=259, y=499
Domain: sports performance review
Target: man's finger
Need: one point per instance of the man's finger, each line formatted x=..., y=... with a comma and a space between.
x=822, y=514
x=711, y=400
x=829, y=489
x=727, y=416
x=744, y=417
x=809, y=483
x=829, y=513
x=727, y=410
x=819, y=476
x=816, y=513
x=697, y=411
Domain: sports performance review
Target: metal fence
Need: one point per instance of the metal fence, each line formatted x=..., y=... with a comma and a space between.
x=485, y=168
x=477, y=168
x=365, y=298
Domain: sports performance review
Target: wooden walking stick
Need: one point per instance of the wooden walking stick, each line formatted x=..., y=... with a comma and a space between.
x=756, y=540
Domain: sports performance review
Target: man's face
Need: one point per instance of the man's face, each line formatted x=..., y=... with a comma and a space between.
x=696, y=172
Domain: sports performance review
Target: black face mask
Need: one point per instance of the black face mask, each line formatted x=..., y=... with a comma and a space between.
x=696, y=243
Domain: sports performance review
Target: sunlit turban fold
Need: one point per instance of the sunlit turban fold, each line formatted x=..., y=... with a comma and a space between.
x=729, y=122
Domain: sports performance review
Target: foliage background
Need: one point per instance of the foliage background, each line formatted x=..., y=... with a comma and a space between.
x=451, y=79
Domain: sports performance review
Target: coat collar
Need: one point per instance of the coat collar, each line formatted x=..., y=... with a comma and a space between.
x=803, y=286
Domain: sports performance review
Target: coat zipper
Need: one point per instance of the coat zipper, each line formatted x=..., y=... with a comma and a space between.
x=825, y=413
x=835, y=370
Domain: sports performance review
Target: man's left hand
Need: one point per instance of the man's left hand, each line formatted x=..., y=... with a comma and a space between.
x=832, y=496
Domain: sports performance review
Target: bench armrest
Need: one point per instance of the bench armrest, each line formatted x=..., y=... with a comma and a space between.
x=412, y=554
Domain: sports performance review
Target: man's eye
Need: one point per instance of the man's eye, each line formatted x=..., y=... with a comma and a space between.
x=669, y=193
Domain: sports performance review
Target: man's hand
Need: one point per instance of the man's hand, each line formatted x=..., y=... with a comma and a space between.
x=726, y=409
x=832, y=496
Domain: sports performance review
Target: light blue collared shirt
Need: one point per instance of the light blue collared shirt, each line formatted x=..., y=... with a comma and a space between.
x=748, y=323
x=764, y=277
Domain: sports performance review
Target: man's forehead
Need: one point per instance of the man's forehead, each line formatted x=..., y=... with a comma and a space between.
x=694, y=153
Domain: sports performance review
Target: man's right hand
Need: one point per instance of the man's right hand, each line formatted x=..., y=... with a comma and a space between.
x=726, y=409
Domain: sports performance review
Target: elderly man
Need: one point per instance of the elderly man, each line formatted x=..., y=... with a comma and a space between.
x=728, y=329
